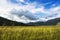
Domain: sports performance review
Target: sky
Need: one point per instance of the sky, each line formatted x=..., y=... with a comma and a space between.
x=27, y=11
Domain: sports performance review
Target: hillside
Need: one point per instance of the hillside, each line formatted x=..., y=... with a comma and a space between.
x=50, y=22
x=7, y=22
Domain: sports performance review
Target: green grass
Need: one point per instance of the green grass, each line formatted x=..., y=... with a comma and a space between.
x=30, y=33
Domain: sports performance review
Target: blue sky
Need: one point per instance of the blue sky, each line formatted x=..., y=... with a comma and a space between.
x=31, y=10
x=47, y=3
x=56, y=2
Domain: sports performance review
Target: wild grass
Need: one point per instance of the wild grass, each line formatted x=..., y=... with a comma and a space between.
x=29, y=33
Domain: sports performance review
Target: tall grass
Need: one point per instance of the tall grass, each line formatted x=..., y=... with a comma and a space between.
x=30, y=33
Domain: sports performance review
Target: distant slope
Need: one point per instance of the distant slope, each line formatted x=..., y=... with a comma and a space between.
x=7, y=22
x=50, y=22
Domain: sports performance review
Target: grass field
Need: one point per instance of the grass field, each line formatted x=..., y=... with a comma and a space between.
x=29, y=33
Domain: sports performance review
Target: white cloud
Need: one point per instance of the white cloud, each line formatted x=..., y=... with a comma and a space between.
x=20, y=0
x=14, y=11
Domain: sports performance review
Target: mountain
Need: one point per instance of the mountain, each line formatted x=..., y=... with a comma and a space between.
x=49, y=22
x=6, y=22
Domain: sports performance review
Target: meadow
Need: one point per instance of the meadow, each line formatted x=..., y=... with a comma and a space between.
x=29, y=33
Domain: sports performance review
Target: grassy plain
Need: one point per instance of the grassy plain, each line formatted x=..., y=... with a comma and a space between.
x=29, y=32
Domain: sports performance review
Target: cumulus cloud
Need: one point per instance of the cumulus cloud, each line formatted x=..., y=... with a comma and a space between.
x=27, y=13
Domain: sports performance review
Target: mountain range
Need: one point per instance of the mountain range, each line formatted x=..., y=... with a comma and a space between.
x=6, y=22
